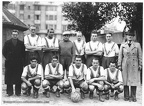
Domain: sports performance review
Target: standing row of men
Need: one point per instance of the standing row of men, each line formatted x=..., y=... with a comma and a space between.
x=129, y=54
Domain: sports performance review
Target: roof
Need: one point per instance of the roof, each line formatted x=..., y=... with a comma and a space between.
x=9, y=20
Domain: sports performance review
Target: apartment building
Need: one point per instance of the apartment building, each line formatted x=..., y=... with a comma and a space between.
x=44, y=15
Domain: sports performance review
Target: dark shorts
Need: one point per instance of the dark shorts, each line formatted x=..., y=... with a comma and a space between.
x=77, y=83
x=53, y=82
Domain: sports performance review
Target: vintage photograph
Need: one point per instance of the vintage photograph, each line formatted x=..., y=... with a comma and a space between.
x=60, y=53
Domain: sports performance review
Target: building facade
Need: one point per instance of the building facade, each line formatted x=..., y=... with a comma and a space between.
x=44, y=15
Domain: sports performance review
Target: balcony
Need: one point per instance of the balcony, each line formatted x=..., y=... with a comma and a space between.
x=37, y=21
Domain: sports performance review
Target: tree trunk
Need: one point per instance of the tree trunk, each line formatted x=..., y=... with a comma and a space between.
x=87, y=36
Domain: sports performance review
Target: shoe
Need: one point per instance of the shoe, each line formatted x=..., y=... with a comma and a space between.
x=9, y=95
x=82, y=95
x=18, y=94
x=107, y=96
x=91, y=95
x=116, y=96
x=47, y=94
x=134, y=100
x=126, y=99
x=57, y=93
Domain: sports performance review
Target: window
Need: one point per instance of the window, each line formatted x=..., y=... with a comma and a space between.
x=37, y=17
x=37, y=7
x=51, y=8
x=28, y=7
x=28, y=16
x=51, y=17
x=21, y=7
x=64, y=27
x=49, y=26
x=22, y=16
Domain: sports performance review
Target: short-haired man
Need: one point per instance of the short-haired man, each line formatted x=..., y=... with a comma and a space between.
x=53, y=76
x=110, y=50
x=77, y=76
x=50, y=47
x=32, y=44
x=31, y=77
x=114, y=80
x=93, y=49
x=79, y=44
x=95, y=78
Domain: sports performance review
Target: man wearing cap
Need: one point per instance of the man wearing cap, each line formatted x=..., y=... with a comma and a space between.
x=93, y=49
x=32, y=44
x=14, y=53
x=66, y=52
x=79, y=46
x=50, y=47
x=130, y=63
x=31, y=77
x=110, y=50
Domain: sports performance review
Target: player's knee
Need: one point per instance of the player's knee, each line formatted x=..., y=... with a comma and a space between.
x=84, y=86
x=60, y=84
x=37, y=82
x=91, y=87
x=106, y=87
x=24, y=86
x=101, y=82
x=66, y=84
x=100, y=87
x=121, y=88
x=45, y=84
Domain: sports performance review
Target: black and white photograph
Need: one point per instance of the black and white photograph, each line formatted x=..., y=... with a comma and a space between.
x=65, y=53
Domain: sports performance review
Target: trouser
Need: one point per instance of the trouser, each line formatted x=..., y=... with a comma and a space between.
x=10, y=89
x=66, y=61
x=133, y=92
x=106, y=61
x=90, y=58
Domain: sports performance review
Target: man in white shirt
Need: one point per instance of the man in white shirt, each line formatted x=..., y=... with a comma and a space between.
x=95, y=78
x=79, y=44
x=77, y=76
x=31, y=77
x=50, y=46
x=114, y=80
x=32, y=44
x=110, y=50
x=93, y=49
x=53, y=77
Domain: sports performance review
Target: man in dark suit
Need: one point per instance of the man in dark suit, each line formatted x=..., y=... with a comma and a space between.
x=14, y=53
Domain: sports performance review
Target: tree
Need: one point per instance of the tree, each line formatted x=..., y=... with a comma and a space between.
x=87, y=16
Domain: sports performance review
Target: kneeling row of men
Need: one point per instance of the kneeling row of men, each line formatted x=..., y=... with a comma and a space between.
x=95, y=77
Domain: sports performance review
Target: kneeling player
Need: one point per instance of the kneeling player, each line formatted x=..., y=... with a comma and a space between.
x=96, y=78
x=31, y=77
x=77, y=76
x=114, y=81
x=53, y=76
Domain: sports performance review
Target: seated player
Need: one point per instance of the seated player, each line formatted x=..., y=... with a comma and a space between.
x=31, y=77
x=114, y=80
x=77, y=76
x=53, y=77
x=96, y=78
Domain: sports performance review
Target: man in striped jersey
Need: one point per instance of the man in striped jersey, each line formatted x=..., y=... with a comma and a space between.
x=31, y=77
x=77, y=76
x=53, y=77
x=32, y=44
x=110, y=50
x=79, y=46
x=114, y=80
x=95, y=78
x=50, y=47
x=93, y=49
